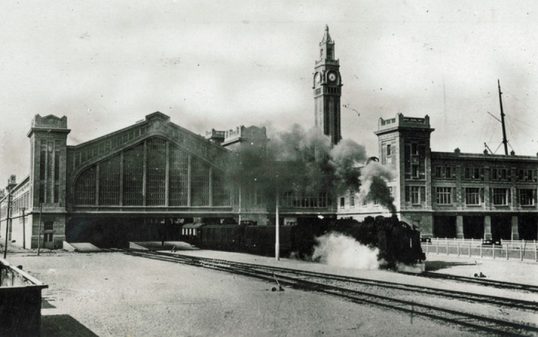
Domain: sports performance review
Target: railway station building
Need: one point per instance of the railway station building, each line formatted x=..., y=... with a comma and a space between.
x=452, y=194
x=145, y=181
x=139, y=183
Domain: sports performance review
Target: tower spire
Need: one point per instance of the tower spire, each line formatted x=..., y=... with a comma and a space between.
x=326, y=36
x=326, y=46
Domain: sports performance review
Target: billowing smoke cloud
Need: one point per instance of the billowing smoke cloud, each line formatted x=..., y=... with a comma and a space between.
x=339, y=250
x=373, y=178
x=300, y=161
x=344, y=158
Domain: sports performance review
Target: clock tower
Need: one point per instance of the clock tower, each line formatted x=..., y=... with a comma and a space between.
x=327, y=84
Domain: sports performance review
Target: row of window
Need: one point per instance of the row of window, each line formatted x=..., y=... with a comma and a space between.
x=478, y=173
x=300, y=200
x=351, y=198
x=188, y=231
x=17, y=204
x=447, y=172
x=475, y=196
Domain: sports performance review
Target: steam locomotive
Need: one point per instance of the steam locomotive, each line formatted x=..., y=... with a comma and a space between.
x=397, y=241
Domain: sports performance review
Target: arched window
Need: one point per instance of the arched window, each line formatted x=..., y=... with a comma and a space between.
x=85, y=187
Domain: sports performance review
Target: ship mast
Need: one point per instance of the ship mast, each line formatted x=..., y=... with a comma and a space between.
x=505, y=141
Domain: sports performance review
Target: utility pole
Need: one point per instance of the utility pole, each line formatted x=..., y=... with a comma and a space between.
x=239, y=208
x=505, y=142
x=7, y=221
x=277, y=228
x=23, y=228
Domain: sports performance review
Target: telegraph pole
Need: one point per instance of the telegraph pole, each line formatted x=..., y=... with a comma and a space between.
x=505, y=142
x=277, y=228
x=23, y=229
x=239, y=208
x=8, y=215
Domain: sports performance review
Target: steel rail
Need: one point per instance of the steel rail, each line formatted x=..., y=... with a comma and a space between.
x=481, y=281
x=468, y=296
x=478, y=322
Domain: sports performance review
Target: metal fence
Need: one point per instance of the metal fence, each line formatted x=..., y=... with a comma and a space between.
x=505, y=249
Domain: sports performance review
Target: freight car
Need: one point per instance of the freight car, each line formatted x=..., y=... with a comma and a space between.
x=261, y=240
x=227, y=237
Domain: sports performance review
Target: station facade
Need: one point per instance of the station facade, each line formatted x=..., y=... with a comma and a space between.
x=136, y=184
x=452, y=194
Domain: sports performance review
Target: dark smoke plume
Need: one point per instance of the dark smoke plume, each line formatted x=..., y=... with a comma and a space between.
x=304, y=162
x=297, y=160
x=374, y=177
x=344, y=158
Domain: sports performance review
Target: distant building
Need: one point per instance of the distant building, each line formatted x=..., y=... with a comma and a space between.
x=239, y=136
x=453, y=194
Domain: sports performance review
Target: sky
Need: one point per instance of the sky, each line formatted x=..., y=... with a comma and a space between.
x=220, y=64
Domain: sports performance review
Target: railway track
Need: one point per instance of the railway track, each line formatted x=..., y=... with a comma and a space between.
x=484, y=282
x=468, y=296
x=352, y=289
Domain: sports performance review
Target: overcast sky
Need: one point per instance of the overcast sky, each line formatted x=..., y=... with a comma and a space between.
x=219, y=64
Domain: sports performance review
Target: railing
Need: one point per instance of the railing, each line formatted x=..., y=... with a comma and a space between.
x=504, y=249
x=20, y=302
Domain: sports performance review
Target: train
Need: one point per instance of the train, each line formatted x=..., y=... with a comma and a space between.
x=398, y=242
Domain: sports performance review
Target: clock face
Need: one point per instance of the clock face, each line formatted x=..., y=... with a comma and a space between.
x=332, y=77
x=317, y=78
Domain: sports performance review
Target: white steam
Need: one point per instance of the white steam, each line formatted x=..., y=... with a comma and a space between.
x=339, y=250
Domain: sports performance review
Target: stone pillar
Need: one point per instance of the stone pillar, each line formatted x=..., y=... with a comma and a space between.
x=487, y=227
x=515, y=228
x=459, y=227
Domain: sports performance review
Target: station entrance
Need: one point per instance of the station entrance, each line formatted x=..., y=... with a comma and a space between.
x=118, y=231
x=501, y=227
x=528, y=227
x=473, y=227
x=444, y=226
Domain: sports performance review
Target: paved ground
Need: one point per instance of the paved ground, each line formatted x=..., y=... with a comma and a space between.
x=111, y=294
x=498, y=269
x=513, y=271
